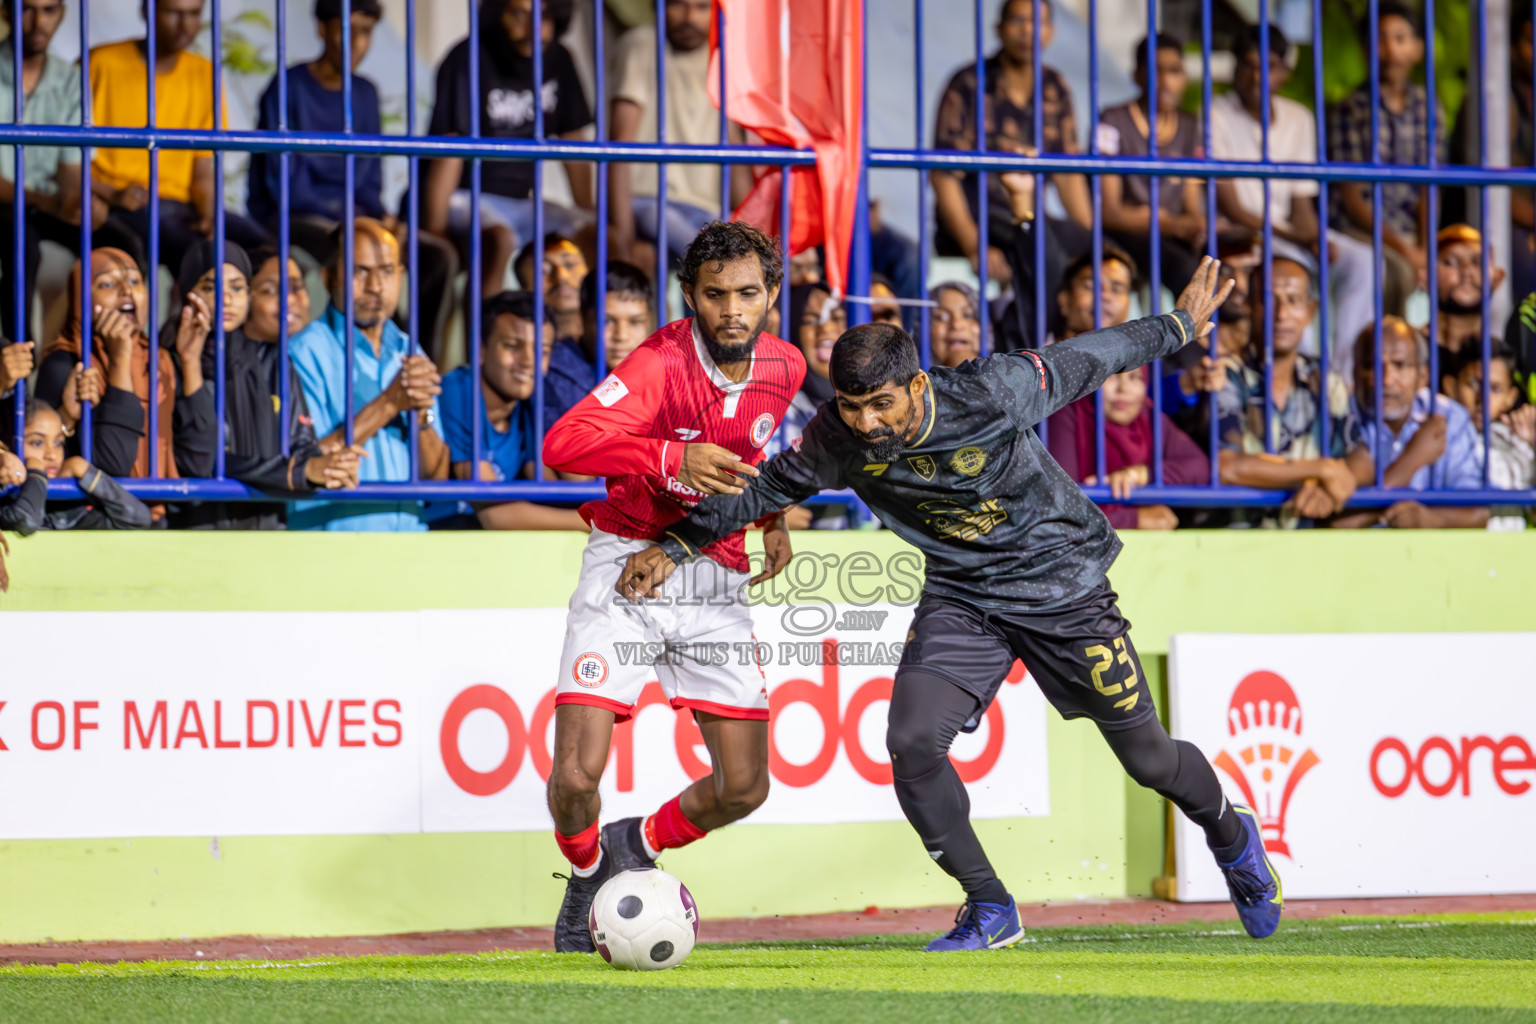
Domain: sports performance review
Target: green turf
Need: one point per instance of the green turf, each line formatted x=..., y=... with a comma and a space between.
x=1464, y=968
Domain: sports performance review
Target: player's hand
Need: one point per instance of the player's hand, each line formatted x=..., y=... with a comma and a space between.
x=1410, y=515
x=1338, y=481
x=777, y=550
x=1204, y=295
x=643, y=574
x=710, y=469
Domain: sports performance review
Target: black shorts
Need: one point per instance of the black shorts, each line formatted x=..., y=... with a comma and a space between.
x=1080, y=656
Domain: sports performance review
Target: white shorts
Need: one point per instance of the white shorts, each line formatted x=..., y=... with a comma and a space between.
x=696, y=640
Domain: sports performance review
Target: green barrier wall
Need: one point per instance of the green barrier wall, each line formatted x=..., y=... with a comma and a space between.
x=1104, y=837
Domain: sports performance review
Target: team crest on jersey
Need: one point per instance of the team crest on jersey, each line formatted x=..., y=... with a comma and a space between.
x=923, y=465
x=762, y=430
x=590, y=670
x=968, y=461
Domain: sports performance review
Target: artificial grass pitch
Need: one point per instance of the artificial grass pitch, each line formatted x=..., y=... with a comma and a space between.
x=1432, y=968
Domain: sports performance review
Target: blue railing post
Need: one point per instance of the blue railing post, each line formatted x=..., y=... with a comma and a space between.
x=219, y=340
x=284, y=370
x=152, y=405
x=86, y=211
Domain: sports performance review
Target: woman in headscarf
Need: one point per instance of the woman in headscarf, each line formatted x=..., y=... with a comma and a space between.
x=954, y=324
x=253, y=448
x=120, y=351
x=1127, y=450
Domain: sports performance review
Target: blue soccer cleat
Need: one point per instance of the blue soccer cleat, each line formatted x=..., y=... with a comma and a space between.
x=981, y=926
x=1253, y=881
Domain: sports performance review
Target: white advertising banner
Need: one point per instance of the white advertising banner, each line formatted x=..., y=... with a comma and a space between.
x=285, y=723
x=1378, y=764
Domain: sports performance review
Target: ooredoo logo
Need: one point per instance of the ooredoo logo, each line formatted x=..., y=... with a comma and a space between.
x=1265, y=718
x=1439, y=765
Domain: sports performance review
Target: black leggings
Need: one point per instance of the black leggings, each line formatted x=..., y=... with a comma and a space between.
x=927, y=711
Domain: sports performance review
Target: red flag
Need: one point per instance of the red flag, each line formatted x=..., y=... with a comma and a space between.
x=803, y=90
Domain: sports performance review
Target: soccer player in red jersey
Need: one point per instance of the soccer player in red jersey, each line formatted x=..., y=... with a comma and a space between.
x=685, y=415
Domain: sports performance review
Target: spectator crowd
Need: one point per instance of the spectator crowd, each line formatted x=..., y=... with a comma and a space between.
x=1314, y=417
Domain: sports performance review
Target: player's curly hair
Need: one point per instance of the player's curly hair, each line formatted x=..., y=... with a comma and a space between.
x=725, y=241
x=870, y=356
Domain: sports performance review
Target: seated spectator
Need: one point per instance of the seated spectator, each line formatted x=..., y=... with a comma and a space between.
x=1190, y=377
x=183, y=99
x=1321, y=481
x=1127, y=450
x=507, y=112
x=1009, y=113
x=391, y=377
x=819, y=321
x=317, y=182
x=1512, y=454
x=107, y=506
x=1522, y=139
x=954, y=324
x=1403, y=138
x=50, y=174
x=263, y=321
x=1459, y=282
x=629, y=317
x=883, y=307
x=564, y=270
x=693, y=190
x=1125, y=131
x=253, y=409
x=508, y=440
x=1074, y=302
x=1424, y=440
x=120, y=372
x=1237, y=134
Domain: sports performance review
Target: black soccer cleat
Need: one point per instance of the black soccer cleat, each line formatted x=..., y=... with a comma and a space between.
x=623, y=846
x=573, y=933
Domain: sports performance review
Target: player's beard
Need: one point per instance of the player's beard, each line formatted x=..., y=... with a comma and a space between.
x=731, y=353
x=887, y=443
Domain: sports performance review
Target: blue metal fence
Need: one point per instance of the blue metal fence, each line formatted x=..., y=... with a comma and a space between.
x=603, y=151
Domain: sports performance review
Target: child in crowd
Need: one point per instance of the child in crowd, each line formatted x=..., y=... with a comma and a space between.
x=1512, y=431
x=106, y=505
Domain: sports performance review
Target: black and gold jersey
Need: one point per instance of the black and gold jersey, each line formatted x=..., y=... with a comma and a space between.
x=1000, y=523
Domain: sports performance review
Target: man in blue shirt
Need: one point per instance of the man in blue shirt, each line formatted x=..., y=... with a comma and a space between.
x=1426, y=440
x=390, y=378
x=629, y=317
x=508, y=439
x=317, y=182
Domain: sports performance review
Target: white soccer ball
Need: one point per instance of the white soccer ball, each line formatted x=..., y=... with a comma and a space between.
x=644, y=920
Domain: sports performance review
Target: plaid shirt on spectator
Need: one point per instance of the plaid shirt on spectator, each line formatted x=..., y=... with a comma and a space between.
x=1402, y=138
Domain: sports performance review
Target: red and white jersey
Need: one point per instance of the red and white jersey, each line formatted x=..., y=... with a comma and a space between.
x=631, y=429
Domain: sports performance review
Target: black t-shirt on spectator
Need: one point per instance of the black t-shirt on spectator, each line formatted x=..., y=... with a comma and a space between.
x=506, y=104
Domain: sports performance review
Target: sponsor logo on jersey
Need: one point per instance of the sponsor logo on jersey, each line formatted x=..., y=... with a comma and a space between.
x=679, y=491
x=590, y=670
x=877, y=468
x=685, y=433
x=951, y=519
x=1039, y=366
x=923, y=465
x=610, y=391
x=968, y=461
x=762, y=430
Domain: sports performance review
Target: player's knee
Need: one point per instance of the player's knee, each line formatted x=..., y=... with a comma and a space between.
x=571, y=785
x=742, y=793
x=1154, y=771
x=914, y=747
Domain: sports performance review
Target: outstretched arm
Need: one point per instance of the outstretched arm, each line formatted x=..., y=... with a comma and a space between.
x=1053, y=378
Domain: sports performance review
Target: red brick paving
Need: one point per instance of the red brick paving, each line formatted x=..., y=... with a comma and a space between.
x=742, y=929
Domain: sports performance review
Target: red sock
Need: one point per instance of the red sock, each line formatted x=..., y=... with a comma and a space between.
x=580, y=849
x=669, y=828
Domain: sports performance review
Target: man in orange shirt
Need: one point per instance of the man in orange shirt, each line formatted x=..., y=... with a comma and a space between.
x=183, y=99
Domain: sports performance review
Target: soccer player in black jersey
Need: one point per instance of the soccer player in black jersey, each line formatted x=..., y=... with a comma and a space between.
x=1016, y=557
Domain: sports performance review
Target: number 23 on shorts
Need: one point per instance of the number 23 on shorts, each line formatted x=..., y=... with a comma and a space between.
x=1104, y=659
